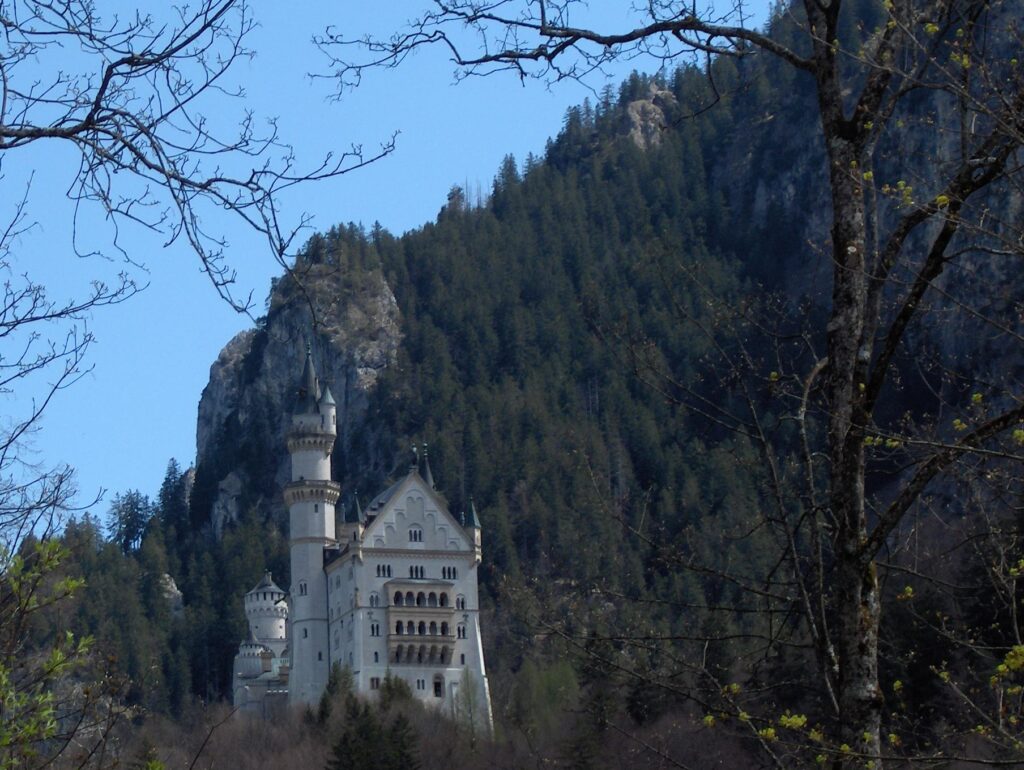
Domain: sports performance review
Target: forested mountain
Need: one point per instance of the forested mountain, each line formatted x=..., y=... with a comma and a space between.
x=582, y=351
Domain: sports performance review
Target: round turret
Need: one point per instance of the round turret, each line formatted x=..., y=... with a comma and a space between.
x=249, y=661
x=267, y=612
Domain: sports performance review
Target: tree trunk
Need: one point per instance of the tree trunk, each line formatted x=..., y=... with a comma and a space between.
x=856, y=589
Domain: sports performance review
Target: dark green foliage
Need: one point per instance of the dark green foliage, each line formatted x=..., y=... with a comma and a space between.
x=373, y=739
x=129, y=515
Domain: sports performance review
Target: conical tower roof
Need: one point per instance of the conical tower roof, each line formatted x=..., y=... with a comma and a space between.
x=267, y=584
x=308, y=391
x=474, y=520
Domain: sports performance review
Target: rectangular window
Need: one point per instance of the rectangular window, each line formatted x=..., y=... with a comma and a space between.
x=374, y=682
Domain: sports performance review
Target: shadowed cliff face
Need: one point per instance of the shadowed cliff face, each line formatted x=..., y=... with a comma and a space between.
x=351, y=321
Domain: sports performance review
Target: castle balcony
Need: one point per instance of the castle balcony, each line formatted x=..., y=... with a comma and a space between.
x=312, y=490
x=420, y=650
x=421, y=623
x=304, y=438
x=413, y=593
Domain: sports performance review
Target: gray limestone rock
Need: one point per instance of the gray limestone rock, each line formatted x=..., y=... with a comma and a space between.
x=351, y=323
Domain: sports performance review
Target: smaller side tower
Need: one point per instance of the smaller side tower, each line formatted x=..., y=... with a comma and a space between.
x=267, y=612
x=260, y=671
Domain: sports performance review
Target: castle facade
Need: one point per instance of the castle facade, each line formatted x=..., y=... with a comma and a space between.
x=389, y=591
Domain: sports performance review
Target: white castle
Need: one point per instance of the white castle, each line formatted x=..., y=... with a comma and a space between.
x=392, y=592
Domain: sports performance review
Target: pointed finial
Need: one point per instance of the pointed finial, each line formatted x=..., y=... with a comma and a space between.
x=474, y=520
x=427, y=475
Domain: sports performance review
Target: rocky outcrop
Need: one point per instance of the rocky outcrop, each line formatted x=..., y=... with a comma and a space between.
x=646, y=119
x=351, y=322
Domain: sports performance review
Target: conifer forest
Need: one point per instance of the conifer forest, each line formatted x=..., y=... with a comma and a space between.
x=732, y=371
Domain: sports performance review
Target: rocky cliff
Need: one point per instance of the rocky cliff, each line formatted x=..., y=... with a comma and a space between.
x=350, y=320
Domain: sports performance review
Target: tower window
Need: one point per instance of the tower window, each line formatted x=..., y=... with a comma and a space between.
x=302, y=588
x=376, y=657
x=316, y=507
x=462, y=659
x=305, y=633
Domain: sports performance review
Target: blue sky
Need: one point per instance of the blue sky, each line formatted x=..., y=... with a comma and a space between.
x=136, y=408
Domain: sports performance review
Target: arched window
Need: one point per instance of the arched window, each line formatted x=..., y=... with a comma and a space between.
x=398, y=654
x=432, y=599
x=302, y=588
x=462, y=631
x=460, y=602
x=410, y=599
x=422, y=654
x=415, y=535
x=421, y=599
x=398, y=598
x=374, y=599
x=444, y=629
x=376, y=657
x=410, y=628
x=398, y=628
x=422, y=628
x=444, y=600
x=433, y=628
x=438, y=686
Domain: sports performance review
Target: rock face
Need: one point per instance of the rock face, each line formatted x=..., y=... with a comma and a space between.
x=646, y=119
x=351, y=323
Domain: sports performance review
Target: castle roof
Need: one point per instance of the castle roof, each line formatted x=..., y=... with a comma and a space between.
x=427, y=475
x=266, y=584
x=474, y=520
x=308, y=391
x=382, y=499
x=327, y=399
x=354, y=513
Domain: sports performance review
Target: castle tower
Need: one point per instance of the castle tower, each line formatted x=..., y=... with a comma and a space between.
x=310, y=497
x=267, y=613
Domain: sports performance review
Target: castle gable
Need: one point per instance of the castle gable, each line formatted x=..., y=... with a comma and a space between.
x=414, y=516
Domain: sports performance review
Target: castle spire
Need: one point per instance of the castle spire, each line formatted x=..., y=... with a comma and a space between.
x=309, y=386
x=427, y=475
